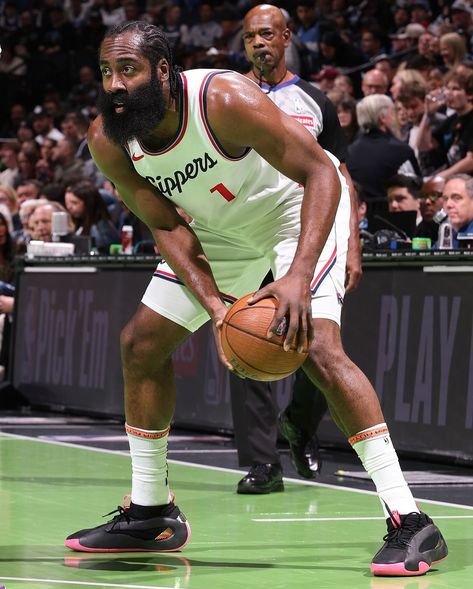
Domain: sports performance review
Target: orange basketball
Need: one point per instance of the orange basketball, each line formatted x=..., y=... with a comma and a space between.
x=246, y=346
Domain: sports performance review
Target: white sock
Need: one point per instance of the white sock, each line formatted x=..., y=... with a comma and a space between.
x=377, y=454
x=148, y=449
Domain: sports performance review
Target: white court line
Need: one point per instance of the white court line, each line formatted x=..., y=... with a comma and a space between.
x=82, y=583
x=343, y=519
x=232, y=470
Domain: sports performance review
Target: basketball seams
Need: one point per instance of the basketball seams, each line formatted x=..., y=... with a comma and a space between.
x=238, y=359
x=255, y=335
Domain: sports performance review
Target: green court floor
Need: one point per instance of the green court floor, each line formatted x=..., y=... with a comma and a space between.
x=313, y=537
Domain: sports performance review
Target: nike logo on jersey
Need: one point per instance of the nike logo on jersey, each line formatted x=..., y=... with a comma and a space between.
x=137, y=158
x=168, y=185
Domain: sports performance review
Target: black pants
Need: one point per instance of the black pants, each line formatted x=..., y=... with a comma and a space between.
x=255, y=416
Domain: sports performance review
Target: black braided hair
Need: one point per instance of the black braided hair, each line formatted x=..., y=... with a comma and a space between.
x=154, y=46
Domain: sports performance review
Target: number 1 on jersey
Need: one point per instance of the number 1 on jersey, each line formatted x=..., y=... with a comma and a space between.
x=223, y=191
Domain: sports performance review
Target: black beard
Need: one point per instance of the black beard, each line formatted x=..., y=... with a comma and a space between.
x=144, y=110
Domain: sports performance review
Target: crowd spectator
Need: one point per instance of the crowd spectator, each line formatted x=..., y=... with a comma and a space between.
x=377, y=154
x=205, y=33
x=462, y=20
x=90, y=215
x=9, y=161
x=27, y=190
x=28, y=157
x=402, y=193
x=458, y=204
x=431, y=203
x=83, y=95
x=453, y=139
x=8, y=198
x=452, y=50
x=7, y=246
x=43, y=126
x=374, y=82
x=23, y=235
x=67, y=167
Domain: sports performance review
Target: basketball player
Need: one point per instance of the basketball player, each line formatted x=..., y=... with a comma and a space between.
x=266, y=36
x=262, y=194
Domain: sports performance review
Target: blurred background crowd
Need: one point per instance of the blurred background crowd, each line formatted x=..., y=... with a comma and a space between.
x=398, y=72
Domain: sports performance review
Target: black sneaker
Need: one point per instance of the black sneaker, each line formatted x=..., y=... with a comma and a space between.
x=305, y=453
x=262, y=479
x=412, y=544
x=166, y=532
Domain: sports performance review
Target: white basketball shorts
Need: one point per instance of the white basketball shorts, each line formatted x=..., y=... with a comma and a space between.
x=240, y=262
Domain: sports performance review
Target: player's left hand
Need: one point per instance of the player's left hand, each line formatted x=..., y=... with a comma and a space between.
x=353, y=269
x=294, y=313
x=217, y=322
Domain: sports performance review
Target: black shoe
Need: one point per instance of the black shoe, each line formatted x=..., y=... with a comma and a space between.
x=262, y=478
x=167, y=532
x=305, y=453
x=412, y=544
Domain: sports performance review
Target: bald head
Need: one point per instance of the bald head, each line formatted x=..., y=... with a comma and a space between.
x=374, y=82
x=266, y=11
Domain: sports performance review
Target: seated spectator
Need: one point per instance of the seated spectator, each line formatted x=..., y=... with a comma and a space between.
x=325, y=79
x=461, y=15
x=40, y=222
x=68, y=168
x=413, y=97
x=374, y=82
x=74, y=127
x=27, y=190
x=7, y=290
x=452, y=50
x=7, y=246
x=385, y=64
x=371, y=43
x=8, y=198
x=403, y=76
x=453, y=139
x=177, y=32
x=431, y=203
x=9, y=158
x=334, y=52
x=346, y=111
x=90, y=215
x=10, y=126
x=43, y=126
x=377, y=154
x=84, y=95
x=458, y=204
x=428, y=47
x=28, y=157
x=403, y=195
x=205, y=33
x=22, y=236
x=112, y=12
x=344, y=84
x=308, y=32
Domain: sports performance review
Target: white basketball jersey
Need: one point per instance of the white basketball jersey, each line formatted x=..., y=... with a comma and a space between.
x=219, y=191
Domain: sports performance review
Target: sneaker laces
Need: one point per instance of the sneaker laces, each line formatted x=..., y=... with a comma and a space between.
x=122, y=512
x=401, y=534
